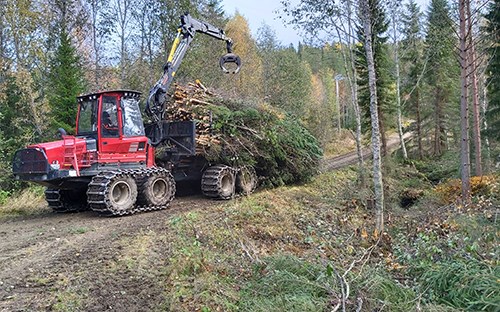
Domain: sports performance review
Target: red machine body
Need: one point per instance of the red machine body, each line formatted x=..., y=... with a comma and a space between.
x=109, y=136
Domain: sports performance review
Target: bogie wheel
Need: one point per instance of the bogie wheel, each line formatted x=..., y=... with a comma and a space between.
x=122, y=193
x=112, y=193
x=157, y=189
x=246, y=180
x=218, y=182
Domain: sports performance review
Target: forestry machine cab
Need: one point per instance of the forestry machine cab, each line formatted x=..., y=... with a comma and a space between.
x=109, y=164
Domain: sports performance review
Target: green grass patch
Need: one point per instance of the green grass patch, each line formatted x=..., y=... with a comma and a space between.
x=286, y=283
x=469, y=284
x=29, y=201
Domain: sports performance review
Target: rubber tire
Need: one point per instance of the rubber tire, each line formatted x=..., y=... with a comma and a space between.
x=126, y=193
x=165, y=181
x=218, y=182
x=246, y=180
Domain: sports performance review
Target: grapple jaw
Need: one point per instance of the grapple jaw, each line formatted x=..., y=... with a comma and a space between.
x=230, y=58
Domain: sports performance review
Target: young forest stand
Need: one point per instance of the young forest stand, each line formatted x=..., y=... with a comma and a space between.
x=109, y=165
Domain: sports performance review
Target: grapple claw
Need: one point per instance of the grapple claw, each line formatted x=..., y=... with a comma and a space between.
x=230, y=58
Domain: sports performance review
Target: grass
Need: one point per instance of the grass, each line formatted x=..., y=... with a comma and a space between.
x=29, y=201
x=79, y=230
x=332, y=148
x=286, y=283
x=465, y=284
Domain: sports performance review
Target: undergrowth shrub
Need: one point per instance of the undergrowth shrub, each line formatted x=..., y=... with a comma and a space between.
x=451, y=190
x=439, y=168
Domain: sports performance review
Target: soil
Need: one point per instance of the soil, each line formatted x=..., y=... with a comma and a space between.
x=46, y=256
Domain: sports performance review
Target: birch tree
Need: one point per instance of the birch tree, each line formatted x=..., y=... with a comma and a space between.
x=395, y=13
x=123, y=11
x=100, y=28
x=367, y=22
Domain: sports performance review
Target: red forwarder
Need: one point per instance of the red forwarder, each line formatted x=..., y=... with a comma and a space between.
x=109, y=164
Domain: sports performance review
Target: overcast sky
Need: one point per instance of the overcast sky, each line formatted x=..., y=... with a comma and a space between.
x=260, y=11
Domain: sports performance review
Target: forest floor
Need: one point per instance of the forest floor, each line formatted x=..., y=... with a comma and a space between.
x=200, y=255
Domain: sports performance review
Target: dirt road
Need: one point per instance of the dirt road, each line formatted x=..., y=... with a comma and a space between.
x=352, y=157
x=45, y=257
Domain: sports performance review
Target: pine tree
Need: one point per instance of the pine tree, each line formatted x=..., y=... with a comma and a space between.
x=493, y=29
x=382, y=70
x=66, y=79
x=442, y=70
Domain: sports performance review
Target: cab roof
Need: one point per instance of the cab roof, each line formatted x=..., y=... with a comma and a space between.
x=95, y=95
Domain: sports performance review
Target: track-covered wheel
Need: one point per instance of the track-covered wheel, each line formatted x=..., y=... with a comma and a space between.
x=66, y=200
x=246, y=180
x=218, y=182
x=157, y=188
x=113, y=193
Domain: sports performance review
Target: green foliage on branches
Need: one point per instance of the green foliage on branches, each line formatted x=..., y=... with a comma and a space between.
x=442, y=72
x=493, y=70
x=385, y=90
x=66, y=80
x=280, y=148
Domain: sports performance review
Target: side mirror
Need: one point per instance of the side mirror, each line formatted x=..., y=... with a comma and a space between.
x=228, y=59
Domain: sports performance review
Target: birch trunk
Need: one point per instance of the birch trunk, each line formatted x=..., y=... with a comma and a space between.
x=398, y=82
x=464, y=109
x=351, y=74
x=372, y=84
x=354, y=94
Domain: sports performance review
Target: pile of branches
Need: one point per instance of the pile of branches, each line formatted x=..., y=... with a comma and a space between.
x=235, y=133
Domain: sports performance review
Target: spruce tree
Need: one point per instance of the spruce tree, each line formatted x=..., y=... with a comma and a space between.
x=412, y=64
x=66, y=80
x=382, y=70
x=493, y=70
x=442, y=71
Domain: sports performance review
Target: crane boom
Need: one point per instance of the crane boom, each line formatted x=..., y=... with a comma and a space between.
x=156, y=102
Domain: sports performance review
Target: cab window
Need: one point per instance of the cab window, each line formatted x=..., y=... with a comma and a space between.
x=109, y=117
x=132, y=119
x=87, y=117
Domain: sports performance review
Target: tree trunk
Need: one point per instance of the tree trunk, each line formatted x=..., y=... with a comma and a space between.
x=122, y=8
x=475, y=96
x=464, y=109
x=337, y=102
x=95, y=44
x=372, y=84
x=381, y=127
x=398, y=85
x=419, y=125
x=484, y=109
x=440, y=133
x=351, y=73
